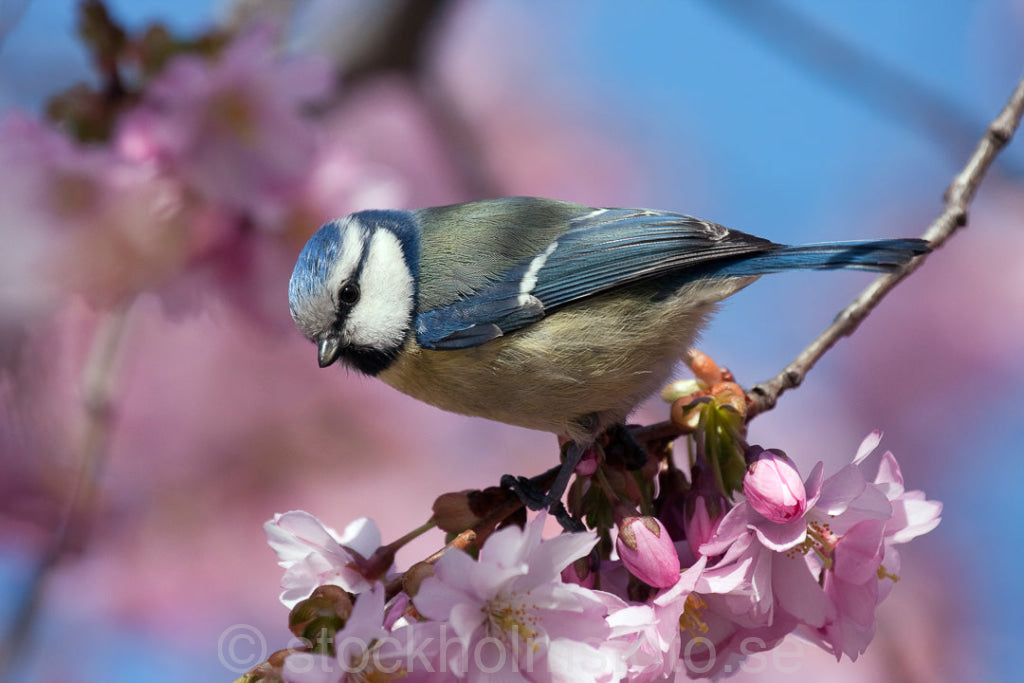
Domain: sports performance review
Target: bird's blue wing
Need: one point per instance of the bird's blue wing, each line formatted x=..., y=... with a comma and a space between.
x=616, y=247
x=601, y=250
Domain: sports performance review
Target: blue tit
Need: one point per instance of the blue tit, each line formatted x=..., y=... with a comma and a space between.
x=535, y=312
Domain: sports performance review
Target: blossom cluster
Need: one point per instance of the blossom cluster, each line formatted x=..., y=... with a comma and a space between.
x=811, y=556
x=212, y=168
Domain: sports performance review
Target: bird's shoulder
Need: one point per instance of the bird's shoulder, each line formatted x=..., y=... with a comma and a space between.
x=465, y=247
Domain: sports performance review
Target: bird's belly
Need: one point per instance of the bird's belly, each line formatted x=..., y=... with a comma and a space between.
x=574, y=373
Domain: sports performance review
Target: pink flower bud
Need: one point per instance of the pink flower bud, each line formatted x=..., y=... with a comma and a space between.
x=699, y=526
x=588, y=463
x=773, y=487
x=647, y=551
x=581, y=572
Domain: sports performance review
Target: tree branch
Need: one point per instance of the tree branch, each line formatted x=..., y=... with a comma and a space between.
x=958, y=198
x=404, y=47
x=97, y=392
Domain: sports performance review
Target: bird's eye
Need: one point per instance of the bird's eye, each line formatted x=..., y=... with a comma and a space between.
x=348, y=295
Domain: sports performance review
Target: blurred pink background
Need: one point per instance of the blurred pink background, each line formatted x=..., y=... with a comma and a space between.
x=221, y=417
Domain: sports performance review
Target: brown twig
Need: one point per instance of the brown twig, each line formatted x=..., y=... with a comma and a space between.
x=657, y=432
x=958, y=198
x=476, y=535
x=404, y=47
x=97, y=391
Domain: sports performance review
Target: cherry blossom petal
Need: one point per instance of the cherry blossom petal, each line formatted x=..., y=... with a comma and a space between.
x=839, y=490
x=867, y=446
x=734, y=524
x=798, y=592
x=859, y=552
x=781, y=537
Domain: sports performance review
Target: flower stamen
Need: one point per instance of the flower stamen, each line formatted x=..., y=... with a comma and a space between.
x=510, y=622
x=691, y=620
x=883, y=573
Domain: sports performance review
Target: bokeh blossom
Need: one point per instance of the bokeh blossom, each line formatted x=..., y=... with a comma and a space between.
x=233, y=129
x=209, y=181
x=81, y=219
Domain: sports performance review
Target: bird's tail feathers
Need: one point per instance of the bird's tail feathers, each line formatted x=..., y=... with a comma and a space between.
x=873, y=255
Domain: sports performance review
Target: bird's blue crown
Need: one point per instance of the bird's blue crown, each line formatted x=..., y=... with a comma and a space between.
x=314, y=264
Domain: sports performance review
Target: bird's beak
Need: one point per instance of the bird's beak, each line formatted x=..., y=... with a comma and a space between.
x=328, y=350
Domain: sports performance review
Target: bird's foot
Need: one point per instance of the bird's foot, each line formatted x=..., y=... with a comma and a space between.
x=535, y=498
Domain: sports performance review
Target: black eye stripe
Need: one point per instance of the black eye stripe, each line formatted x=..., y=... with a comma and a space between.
x=348, y=293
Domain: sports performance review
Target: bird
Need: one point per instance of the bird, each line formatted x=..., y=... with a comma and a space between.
x=540, y=313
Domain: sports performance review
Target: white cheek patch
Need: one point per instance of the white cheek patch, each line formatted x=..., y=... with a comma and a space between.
x=381, y=318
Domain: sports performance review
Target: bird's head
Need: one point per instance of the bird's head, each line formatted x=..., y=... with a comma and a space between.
x=353, y=290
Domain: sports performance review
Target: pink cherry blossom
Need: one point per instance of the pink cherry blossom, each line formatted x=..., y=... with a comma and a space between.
x=513, y=616
x=85, y=220
x=646, y=637
x=669, y=607
x=825, y=571
x=233, y=128
x=912, y=514
x=866, y=562
x=744, y=518
x=314, y=554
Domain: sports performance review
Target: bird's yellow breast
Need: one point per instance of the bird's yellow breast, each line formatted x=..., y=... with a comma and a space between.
x=574, y=373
